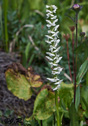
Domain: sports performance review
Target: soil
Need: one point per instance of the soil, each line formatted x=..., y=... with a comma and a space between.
x=7, y=99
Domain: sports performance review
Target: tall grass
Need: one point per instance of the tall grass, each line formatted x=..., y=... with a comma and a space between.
x=1, y=24
x=5, y=6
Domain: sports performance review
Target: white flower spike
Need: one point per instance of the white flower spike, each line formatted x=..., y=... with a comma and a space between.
x=53, y=41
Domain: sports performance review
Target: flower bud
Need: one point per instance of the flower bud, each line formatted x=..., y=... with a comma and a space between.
x=66, y=36
x=72, y=28
x=76, y=7
x=82, y=34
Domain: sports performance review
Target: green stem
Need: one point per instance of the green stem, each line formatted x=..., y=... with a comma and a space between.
x=1, y=25
x=76, y=29
x=57, y=111
x=76, y=58
x=54, y=118
x=5, y=24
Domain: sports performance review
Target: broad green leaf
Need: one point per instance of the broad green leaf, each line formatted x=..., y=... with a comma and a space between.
x=21, y=85
x=44, y=105
x=74, y=120
x=18, y=84
x=66, y=94
x=82, y=71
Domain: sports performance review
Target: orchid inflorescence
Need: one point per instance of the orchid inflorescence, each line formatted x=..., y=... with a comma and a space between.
x=53, y=41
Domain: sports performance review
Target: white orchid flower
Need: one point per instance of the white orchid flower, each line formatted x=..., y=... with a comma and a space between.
x=53, y=41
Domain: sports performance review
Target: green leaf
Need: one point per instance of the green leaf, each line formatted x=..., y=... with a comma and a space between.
x=87, y=79
x=27, y=51
x=84, y=97
x=84, y=100
x=44, y=105
x=21, y=85
x=8, y=112
x=26, y=55
x=74, y=120
x=66, y=94
x=82, y=71
x=49, y=121
x=35, y=80
x=18, y=84
x=31, y=59
x=86, y=108
x=77, y=102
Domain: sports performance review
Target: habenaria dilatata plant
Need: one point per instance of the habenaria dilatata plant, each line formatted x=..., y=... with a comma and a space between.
x=53, y=41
